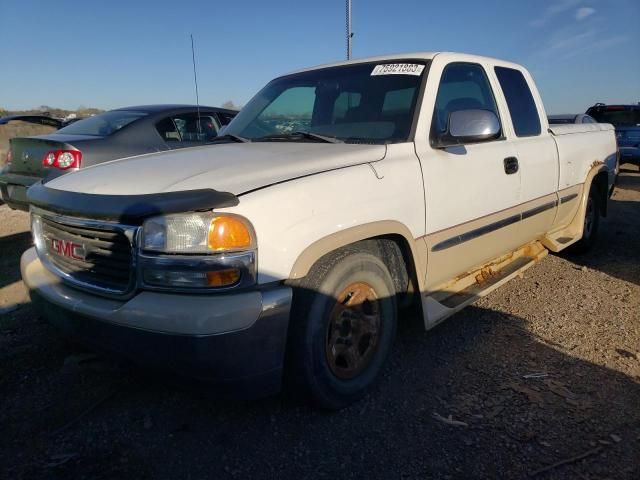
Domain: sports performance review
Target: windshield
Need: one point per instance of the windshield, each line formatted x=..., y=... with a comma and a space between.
x=367, y=102
x=618, y=116
x=102, y=124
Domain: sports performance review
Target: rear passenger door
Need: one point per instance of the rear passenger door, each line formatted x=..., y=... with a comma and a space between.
x=535, y=150
x=472, y=199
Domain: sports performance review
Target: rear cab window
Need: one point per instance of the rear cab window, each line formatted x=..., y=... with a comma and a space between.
x=522, y=107
x=345, y=102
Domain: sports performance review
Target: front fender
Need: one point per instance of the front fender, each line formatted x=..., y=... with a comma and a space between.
x=297, y=222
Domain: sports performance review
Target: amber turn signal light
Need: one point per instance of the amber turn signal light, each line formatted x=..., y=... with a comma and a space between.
x=228, y=233
x=223, y=278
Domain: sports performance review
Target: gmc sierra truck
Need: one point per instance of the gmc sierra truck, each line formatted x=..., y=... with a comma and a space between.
x=338, y=195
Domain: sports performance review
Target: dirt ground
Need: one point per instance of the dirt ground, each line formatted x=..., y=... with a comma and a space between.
x=540, y=379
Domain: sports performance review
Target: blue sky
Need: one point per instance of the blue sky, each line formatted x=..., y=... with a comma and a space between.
x=116, y=53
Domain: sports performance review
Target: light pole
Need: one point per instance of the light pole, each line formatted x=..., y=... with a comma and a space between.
x=349, y=33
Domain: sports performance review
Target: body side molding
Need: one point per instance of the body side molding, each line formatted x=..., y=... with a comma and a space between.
x=485, y=229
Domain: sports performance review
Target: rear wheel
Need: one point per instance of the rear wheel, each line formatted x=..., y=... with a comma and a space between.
x=343, y=325
x=591, y=221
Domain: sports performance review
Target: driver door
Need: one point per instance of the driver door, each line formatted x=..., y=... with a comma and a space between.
x=472, y=198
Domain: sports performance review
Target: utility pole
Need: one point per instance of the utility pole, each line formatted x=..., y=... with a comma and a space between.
x=349, y=32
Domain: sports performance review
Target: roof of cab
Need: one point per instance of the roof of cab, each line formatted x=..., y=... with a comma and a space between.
x=380, y=58
x=407, y=56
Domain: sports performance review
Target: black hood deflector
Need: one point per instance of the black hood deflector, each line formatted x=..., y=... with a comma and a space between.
x=129, y=209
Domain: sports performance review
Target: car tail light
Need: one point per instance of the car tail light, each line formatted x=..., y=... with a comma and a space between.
x=63, y=159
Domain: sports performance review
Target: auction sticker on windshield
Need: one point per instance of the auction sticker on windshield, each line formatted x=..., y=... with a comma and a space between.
x=398, y=69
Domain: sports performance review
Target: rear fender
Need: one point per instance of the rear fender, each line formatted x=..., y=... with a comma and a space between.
x=598, y=176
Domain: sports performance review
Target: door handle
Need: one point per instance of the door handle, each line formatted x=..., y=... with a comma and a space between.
x=511, y=165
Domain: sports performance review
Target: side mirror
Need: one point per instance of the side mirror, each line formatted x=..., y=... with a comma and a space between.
x=469, y=126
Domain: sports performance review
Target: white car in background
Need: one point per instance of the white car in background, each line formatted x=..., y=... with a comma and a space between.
x=568, y=118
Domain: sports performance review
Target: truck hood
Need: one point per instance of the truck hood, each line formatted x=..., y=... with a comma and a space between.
x=236, y=168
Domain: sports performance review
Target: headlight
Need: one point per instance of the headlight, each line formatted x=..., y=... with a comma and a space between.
x=198, y=250
x=197, y=233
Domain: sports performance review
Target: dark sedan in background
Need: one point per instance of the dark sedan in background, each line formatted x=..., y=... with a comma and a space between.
x=119, y=133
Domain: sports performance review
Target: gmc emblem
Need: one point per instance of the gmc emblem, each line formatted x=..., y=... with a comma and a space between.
x=67, y=248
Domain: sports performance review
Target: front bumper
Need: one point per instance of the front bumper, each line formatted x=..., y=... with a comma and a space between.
x=236, y=339
x=13, y=189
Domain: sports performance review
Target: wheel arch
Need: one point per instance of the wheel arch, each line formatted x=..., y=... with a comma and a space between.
x=597, y=175
x=392, y=240
x=601, y=180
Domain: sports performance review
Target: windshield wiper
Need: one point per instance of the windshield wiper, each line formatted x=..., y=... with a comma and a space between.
x=230, y=136
x=366, y=141
x=299, y=134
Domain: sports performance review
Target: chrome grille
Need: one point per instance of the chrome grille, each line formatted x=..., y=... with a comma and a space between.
x=91, y=255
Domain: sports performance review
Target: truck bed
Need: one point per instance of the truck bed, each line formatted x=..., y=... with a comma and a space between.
x=579, y=142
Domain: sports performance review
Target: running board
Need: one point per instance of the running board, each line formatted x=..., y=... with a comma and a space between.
x=466, y=289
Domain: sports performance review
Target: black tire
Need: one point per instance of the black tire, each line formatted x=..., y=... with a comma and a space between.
x=334, y=356
x=591, y=222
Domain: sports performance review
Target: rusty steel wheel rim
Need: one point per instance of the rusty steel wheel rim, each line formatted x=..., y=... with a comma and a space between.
x=353, y=331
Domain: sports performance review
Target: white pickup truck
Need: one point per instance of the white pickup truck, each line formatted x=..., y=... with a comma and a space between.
x=339, y=194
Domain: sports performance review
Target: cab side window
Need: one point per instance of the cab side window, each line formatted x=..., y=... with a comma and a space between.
x=463, y=86
x=196, y=129
x=225, y=118
x=188, y=128
x=167, y=130
x=522, y=107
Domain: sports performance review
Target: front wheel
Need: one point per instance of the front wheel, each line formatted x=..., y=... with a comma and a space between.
x=343, y=325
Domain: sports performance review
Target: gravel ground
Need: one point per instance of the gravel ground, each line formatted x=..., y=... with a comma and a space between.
x=541, y=378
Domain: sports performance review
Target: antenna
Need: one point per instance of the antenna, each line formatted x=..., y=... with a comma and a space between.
x=195, y=80
x=349, y=32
